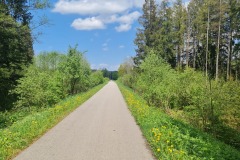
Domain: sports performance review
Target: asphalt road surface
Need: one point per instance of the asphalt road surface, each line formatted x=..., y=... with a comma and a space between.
x=100, y=129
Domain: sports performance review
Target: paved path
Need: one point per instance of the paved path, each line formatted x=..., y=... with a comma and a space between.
x=101, y=129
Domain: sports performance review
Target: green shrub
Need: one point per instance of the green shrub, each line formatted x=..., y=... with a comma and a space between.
x=212, y=106
x=171, y=139
x=157, y=82
x=39, y=88
x=96, y=78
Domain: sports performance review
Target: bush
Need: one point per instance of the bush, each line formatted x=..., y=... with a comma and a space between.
x=157, y=82
x=39, y=88
x=213, y=106
x=96, y=78
x=171, y=139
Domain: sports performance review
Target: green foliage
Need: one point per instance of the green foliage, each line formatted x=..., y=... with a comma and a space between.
x=23, y=132
x=16, y=50
x=156, y=81
x=127, y=73
x=52, y=77
x=39, y=88
x=172, y=139
x=212, y=106
x=146, y=35
x=96, y=78
x=201, y=35
x=113, y=75
x=75, y=71
x=15, y=53
x=49, y=61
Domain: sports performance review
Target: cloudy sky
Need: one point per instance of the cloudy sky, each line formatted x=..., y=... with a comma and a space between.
x=104, y=28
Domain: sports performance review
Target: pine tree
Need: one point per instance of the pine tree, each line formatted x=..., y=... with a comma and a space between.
x=164, y=37
x=179, y=19
x=144, y=38
x=231, y=26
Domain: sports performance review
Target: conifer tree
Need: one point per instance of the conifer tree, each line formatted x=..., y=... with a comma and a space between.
x=144, y=38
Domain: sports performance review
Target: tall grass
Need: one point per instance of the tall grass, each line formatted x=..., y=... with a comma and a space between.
x=22, y=133
x=171, y=139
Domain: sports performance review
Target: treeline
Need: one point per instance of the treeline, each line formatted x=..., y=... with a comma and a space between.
x=16, y=41
x=205, y=35
x=51, y=78
x=54, y=76
x=34, y=82
x=187, y=64
x=113, y=75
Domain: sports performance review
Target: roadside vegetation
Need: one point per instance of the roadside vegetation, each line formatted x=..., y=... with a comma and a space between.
x=22, y=133
x=172, y=139
x=37, y=91
x=187, y=67
x=51, y=87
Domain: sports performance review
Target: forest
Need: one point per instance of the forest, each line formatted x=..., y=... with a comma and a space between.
x=187, y=63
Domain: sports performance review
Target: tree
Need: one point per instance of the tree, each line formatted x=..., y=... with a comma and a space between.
x=96, y=78
x=231, y=26
x=179, y=19
x=75, y=70
x=193, y=27
x=218, y=42
x=16, y=51
x=145, y=35
x=164, y=36
x=127, y=72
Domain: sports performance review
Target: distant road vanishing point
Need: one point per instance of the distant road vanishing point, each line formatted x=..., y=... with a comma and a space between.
x=100, y=129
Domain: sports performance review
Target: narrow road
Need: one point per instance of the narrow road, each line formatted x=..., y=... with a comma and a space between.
x=101, y=129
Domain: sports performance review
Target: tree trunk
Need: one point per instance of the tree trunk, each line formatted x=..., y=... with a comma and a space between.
x=194, y=52
x=229, y=55
x=206, y=63
x=178, y=57
x=187, y=49
x=218, y=43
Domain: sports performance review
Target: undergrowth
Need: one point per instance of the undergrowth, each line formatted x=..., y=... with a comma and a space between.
x=171, y=139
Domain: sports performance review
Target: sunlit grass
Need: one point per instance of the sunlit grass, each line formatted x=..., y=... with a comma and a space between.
x=22, y=133
x=171, y=139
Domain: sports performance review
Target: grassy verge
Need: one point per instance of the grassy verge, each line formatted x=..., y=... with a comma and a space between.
x=171, y=139
x=22, y=133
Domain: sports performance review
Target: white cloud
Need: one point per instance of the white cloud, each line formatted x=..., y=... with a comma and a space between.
x=100, y=13
x=123, y=27
x=95, y=7
x=88, y=24
x=126, y=21
x=104, y=65
x=129, y=18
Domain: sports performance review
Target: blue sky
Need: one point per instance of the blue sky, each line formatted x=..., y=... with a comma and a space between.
x=105, y=29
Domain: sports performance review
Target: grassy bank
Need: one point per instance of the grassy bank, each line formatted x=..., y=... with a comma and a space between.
x=22, y=133
x=171, y=139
